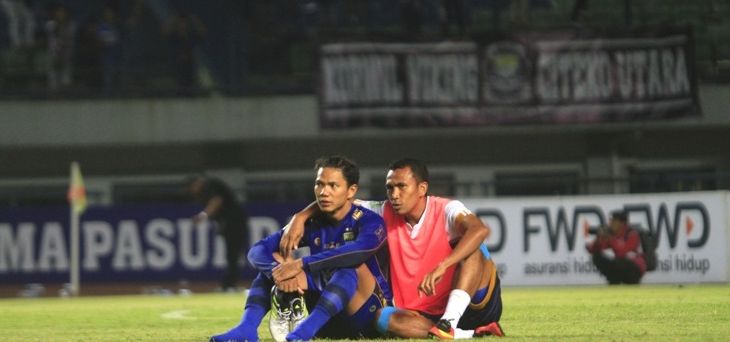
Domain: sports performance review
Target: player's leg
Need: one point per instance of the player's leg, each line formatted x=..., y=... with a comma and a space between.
x=475, y=287
x=469, y=277
x=257, y=305
x=347, y=291
x=485, y=309
x=359, y=316
x=403, y=323
x=288, y=310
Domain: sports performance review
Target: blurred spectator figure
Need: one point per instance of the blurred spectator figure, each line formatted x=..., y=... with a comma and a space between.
x=579, y=10
x=616, y=251
x=88, y=56
x=453, y=12
x=107, y=33
x=141, y=56
x=21, y=23
x=220, y=205
x=410, y=12
x=519, y=12
x=60, y=32
x=185, y=32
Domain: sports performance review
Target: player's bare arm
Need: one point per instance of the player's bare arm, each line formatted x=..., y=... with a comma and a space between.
x=473, y=232
x=294, y=230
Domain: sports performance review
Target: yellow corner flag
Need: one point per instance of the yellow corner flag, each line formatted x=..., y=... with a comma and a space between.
x=76, y=190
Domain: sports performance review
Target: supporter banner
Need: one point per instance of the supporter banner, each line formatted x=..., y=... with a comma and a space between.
x=541, y=241
x=146, y=243
x=529, y=78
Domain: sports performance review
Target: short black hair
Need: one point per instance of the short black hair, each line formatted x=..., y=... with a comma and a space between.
x=419, y=169
x=348, y=167
x=619, y=214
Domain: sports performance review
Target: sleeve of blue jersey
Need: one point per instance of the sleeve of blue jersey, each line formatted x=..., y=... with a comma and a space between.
x=370, y=238
x=260, y=256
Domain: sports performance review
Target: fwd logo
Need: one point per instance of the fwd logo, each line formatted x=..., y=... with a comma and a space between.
x=670, y=222
x=687, y=216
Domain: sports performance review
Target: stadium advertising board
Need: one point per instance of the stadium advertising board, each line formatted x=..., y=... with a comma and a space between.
x=535, y=241
x=527, y=78
x=140, y=243
x=541, y=241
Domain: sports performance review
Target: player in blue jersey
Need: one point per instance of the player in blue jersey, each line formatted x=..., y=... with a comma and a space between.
x=342, y=278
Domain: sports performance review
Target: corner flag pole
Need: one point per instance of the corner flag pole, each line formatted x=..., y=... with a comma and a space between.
x=77, y=201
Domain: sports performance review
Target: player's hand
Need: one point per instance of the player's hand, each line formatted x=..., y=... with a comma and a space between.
x=428, y=284
x=289, y=285
x=293, y=233
x=287, y=270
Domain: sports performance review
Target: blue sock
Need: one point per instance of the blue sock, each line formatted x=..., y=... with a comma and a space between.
x=258, y=304
x=335, y=296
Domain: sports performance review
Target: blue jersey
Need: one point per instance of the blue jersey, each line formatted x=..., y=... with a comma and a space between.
x=358, y=238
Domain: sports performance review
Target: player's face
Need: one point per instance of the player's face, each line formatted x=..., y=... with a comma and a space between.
x=405, y=193
x=332, y=192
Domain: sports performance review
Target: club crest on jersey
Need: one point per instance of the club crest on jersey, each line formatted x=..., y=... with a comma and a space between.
x=317, y=241
x=357, y=214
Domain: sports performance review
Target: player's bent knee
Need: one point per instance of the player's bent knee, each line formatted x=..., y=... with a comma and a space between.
x=384, y=318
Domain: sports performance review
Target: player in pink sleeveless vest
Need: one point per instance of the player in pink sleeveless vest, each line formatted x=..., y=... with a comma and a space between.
x=440, y=291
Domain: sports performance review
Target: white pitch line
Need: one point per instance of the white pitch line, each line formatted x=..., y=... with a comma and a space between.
x=177, y=314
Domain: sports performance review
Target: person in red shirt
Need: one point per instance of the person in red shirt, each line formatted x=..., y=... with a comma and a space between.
x=616, y=251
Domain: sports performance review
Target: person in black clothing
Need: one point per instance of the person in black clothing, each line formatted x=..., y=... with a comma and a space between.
x=222, y=207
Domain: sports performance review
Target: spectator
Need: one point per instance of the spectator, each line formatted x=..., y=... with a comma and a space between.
x=453, y=12
x=88, y=56
x=21, y=23
x=107, y=35
x=410, y=12
x=141, y=56
x=60, y=31
x=616, y=251
x=184, y=33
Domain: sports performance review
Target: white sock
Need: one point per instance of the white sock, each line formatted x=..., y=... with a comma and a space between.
x=458, y=333
x=458, y=302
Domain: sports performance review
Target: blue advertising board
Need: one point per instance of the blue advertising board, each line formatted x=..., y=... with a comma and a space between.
x=124, y=243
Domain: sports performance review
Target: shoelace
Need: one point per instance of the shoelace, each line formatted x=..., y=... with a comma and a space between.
x=284, y=315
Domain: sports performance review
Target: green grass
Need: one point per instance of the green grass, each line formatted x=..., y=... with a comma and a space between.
x=623, y=313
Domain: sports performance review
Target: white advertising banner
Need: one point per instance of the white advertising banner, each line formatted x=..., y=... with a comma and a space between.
x=541, y=240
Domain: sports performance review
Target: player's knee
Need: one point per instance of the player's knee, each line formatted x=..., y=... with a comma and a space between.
x=383, y=319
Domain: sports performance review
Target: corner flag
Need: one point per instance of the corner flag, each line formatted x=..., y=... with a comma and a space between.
x=77, y=199
x=76, y=190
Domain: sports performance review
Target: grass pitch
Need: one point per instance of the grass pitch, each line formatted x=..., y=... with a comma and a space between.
x=621, y=313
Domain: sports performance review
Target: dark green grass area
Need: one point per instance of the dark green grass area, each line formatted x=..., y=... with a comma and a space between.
x=622, y=313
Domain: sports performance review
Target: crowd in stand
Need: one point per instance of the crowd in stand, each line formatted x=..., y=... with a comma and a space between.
x=188, y=47
x=99, y=48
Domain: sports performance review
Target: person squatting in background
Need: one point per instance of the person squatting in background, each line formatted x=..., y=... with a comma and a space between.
x=616, y=253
